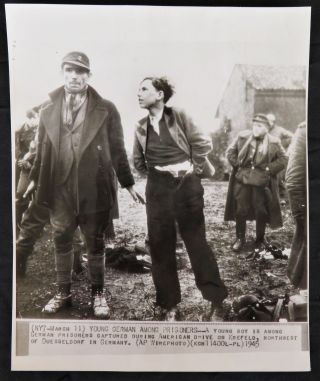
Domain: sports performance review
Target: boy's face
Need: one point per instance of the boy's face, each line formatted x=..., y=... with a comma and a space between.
x=148, y=95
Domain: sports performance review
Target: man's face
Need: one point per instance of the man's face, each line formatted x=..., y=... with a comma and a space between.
x=271, y=119
x=148, y=95
x=259, y=129
x=75, y=78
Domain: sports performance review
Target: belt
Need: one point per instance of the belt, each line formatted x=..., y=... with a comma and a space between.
x=173, y=173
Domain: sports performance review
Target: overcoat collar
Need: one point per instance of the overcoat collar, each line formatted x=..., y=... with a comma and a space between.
x=251, y=141
x=95, y=115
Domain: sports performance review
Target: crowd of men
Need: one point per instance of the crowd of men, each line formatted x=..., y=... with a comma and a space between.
x=71, y=156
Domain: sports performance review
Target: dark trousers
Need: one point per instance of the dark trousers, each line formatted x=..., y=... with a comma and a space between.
x=171, y=199
x=65, y=222
x=251, y=202
x=298, y=263
x=33, y=222
x=21, y=203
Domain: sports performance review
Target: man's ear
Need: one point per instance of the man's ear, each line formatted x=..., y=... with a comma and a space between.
x=161, y=95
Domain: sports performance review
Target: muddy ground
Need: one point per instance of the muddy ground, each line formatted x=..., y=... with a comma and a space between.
x=131, y=295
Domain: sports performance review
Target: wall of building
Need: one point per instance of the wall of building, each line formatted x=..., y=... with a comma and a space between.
x=232, y=109
x=288, y=106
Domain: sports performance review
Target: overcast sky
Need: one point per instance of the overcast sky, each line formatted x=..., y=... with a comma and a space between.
x=196, y=48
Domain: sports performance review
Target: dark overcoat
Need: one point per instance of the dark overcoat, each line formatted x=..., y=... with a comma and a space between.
x=296, y=180
x=277, y=161
x=101, y=154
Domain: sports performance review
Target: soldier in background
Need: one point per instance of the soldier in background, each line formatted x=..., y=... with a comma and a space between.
x=285, y=137
x=297, y=189
x=24, y=154
x=256, y=158
x=279, y=132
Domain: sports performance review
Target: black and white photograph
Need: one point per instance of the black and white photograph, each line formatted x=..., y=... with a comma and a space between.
x=160, y=172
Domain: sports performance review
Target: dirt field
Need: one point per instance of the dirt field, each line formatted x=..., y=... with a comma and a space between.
x=131, y=295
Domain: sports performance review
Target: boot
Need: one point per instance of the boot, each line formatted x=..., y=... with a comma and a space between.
x=171, y=314
x=100, y=307
x=220, y=311
x=61, y=300
x=241, y=234
x=238, y=244
x=260, y=242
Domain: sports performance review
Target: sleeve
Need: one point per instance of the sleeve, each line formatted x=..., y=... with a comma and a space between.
x=37, y=152
x=200, y=144
x=139, y=160
x=295, y=175
x=117, y=149
x=232, y=153
x=280, y=161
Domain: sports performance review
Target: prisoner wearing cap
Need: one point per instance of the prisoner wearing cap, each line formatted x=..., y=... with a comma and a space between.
x=260, y=118
x=78, y=59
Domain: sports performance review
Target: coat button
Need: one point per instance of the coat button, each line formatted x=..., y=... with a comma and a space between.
x=99, y=148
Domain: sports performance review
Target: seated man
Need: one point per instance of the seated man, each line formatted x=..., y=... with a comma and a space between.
x=256, y=158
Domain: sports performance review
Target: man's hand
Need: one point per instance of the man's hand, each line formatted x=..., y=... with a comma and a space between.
x=135, y=195
x=31, y=188
x=24, y=164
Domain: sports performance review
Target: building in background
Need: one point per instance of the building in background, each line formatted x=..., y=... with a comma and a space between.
x=252, y=89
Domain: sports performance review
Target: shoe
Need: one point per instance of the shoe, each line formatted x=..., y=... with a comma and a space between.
x=238, y=244
x=260, y=245
x=100, y=307
x=171, y=314
x=57, y=303
x=219, y=312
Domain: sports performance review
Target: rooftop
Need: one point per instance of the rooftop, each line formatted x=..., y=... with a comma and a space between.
x=274, y=77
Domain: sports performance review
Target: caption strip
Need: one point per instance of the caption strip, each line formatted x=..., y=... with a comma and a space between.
x=51, y=337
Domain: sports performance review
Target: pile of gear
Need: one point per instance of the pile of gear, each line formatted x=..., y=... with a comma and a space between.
x=269, y=251
x=251, y=308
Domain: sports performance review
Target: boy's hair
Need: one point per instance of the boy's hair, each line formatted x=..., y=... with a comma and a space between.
x=162, y=84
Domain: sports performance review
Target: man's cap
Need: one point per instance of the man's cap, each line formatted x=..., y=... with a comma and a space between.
x=260, y=118
x=78, y=59
x=271, y=117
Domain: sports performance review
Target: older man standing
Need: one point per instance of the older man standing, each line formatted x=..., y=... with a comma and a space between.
x=80, y=142
x=256, y=158
x=171, y=150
